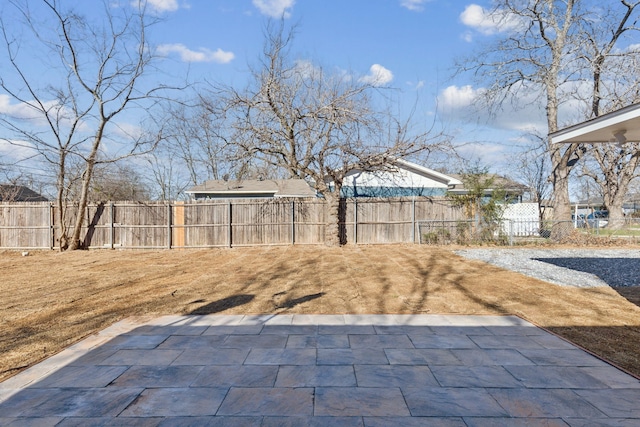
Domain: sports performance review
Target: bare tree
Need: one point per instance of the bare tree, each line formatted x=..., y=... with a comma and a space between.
x=543, y=54
x=197, y=145
x=166, y=177
x=199, y=136
x=532, y=169
x=606, y=64
x=617, y=166
x=314, y=125
x=588, y=191
x=615, y=83
x=89, y=73
x=114, y=182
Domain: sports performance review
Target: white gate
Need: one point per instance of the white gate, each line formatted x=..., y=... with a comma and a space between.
x=521, y=219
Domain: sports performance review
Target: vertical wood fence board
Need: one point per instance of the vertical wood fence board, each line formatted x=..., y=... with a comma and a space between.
x=205, y=224
x=24, y=225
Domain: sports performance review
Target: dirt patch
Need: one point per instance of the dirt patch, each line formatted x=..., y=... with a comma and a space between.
x=51, y=300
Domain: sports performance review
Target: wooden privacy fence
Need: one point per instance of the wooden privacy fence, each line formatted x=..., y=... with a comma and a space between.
x=222, y=223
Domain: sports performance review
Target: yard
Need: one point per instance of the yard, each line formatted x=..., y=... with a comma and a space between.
x=51, y=300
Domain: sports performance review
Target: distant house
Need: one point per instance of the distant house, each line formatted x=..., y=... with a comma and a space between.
x=513, y=190
x=400, y=179
x=631, y=204
x=586, y=206
x=252, y=189
x=19, y=193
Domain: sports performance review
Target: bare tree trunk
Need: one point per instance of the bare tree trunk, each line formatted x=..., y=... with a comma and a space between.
x=74, y=241
x=86, y=185
x=60, y=185
x=63, y=240
x=560, y=168
x=560, y=181
x=561, y=201
x=616, y=213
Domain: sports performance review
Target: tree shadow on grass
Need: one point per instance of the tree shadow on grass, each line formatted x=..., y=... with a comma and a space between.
x=223, y=304
x=293, y=302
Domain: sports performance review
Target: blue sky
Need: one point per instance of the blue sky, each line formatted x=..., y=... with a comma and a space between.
x=415, y=45
x=407, y=45
x=410, y=45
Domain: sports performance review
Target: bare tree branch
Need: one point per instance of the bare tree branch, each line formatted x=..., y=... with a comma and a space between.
x=555, y=42
x=315, y=125
x=96, y=71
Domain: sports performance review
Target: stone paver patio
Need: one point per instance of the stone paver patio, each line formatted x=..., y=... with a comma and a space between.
x=336, y=370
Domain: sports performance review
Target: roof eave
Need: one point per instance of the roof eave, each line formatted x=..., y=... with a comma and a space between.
x=618, y=126
x=430, y=172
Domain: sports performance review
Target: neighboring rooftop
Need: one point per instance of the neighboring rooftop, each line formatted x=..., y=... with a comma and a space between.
x=252, y=188
x=19, y=193
x=498, y=182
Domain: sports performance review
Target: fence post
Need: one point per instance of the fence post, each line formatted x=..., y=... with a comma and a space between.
x=230, y=225
x=112, y=226
x=293, y=222
x=413, y=219
x=169, y=225
x=355, y=220
x=52, y=230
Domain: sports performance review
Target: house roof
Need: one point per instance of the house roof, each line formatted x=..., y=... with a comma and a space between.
x=449, y=179
x=501, y=182
x=629, y=200
x=404, y=165
x=618, y=126
x=19, y=193
x=267, y=187
x=593, y=201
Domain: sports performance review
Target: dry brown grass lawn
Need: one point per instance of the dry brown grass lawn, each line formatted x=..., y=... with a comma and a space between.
x=51, y=300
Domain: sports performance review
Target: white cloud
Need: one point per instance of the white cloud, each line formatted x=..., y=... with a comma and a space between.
x=201, y=55
x=378, y=76
x=164, y=5
x=456, y=98
x=415, y=5
x=160, y=6
x=487, y=153
x=127, y=131
x=467, y=36
x=307, y=69
x=635, y=48
x=524, y=114
x=14, y=151
x=18, y=111
x=416, y=85
x=487, y=22
x=275, y=8
x=31, y=111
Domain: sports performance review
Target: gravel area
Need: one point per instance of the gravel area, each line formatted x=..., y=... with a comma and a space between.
x=583, y=268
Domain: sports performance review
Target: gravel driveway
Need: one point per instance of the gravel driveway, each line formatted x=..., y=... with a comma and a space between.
x=581, y=268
